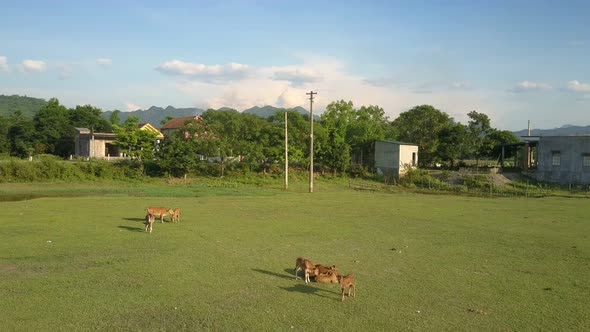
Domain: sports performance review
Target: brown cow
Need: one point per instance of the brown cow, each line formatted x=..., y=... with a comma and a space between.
x=159, y=212
x=149, y=222
x=322, y=269
x=306, y=266
x=328, y=277
x=347, y=282
x=176, y=215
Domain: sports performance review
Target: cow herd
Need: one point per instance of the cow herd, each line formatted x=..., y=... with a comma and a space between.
x=319, y=272
x=153, y=212
x=325, y=274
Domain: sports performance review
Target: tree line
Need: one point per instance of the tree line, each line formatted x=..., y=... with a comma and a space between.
x=344, y=136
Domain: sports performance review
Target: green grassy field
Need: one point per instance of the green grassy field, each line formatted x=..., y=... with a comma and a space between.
x=422, y=262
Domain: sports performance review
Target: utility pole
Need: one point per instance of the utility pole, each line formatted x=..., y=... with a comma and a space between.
x=311, y=93
x=286, y=155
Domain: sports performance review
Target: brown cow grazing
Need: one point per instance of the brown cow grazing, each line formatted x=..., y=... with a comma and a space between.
x=325, y=269
x=159, y=212
x=306, y=266
x=347, y=282
x=149, y=222
x=176, y=215
x=328, y=277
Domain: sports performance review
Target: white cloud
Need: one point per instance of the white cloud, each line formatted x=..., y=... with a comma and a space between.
x=296, y=76
x=130, y=107
x=260, y=88
x=3, y=64
x=578, y=86
x=526, y=86
x=36, y=66
x=104, y=61
x=290, y=98
x=200, y=72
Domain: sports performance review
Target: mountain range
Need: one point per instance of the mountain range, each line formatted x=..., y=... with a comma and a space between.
x=28, y=106
x=565, y=130
x=155, y=115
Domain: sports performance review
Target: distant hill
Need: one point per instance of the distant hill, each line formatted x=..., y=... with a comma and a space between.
x=566, y=130
x=154, y=115
x=267, y=111
x=27, y=105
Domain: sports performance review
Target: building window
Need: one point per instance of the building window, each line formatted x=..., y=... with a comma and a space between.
x=586, y=160
x=555, y=158
x=413, y=158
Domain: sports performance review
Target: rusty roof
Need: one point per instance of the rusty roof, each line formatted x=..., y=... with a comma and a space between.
x=178, y=123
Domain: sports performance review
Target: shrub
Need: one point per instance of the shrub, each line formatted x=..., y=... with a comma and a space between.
x=420, y=178
x=476, y=181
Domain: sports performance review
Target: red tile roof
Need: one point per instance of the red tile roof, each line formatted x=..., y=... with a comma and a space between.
x=178, y=123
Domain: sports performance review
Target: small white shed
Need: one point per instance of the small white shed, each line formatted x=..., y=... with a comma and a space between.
x=393, y=158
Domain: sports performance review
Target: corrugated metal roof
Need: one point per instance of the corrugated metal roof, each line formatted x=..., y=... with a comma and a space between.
x=396, y=142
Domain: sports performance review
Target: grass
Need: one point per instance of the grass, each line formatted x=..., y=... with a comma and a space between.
x=81, y=260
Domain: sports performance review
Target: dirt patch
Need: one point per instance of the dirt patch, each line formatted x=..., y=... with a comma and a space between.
x=8, y=268
x=500, y=179
x=456, y=178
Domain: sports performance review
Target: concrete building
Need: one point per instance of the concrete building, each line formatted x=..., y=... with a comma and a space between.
x=95, y=145
x=392, y=159
x=563, y=159
x=88, y=144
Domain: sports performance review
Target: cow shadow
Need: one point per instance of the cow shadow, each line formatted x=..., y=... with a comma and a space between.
x=284, y=276
x=134, y=219
x=308, y=289
x=132, y=229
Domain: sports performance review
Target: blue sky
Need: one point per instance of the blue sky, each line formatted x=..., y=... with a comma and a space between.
x=512, y=60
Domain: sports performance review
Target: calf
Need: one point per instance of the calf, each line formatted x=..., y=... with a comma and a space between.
x=149, y=222
x=325, y=269
x=307, y=267
x=176, y=215
x=328, y=277
x=347, y=282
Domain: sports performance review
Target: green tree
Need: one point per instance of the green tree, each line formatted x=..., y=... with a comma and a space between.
x=368, y=125
x=494, y=141
x=454, y=143
x=423, y=125
x=53, y=132
x=177, y=153
x=90, y=117
x=4, y=141
x=225, y=130
x=478, y=127
x=115, y=118
x=136, y=142
x=21, y=135
x=298, y=131
x=336, y=120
